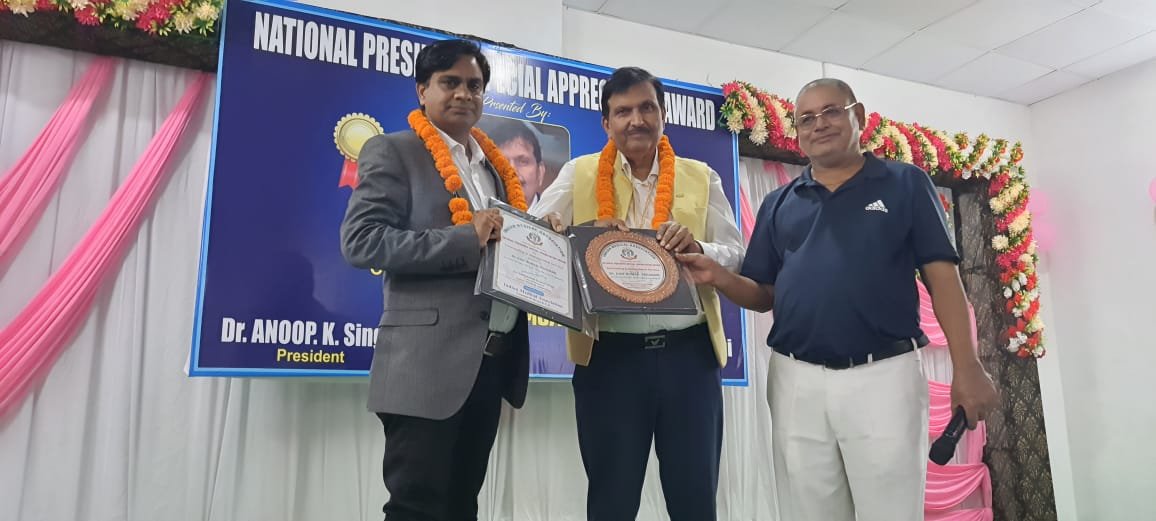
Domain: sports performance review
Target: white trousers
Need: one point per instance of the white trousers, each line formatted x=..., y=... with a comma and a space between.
x=849, y=444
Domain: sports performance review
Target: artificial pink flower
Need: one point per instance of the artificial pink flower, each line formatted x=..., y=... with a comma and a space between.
x=87, y=16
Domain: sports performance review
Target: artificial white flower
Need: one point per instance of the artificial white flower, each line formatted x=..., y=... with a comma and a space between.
x=735, y=122
x=206, y=12
x=783, y=116
x=999, y=242
x=129, y=9
x=1007, y=293
x=1019, y=224
x=22, y=7
x=904, y=147
x=759, y=134
x=183, y=22
x=1015, y=190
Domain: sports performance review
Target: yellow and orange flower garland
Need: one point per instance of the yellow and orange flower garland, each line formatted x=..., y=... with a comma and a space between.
x=770, y=119
x=664, y=197
x=459, y=206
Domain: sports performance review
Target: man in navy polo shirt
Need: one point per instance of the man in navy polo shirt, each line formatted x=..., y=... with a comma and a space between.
x=835, y=253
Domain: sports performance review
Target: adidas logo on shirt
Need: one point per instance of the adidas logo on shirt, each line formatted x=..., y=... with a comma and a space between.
x=876, y=206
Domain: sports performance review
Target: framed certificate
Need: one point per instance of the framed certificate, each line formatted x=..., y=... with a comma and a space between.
x=531, y=268
x=629, y=272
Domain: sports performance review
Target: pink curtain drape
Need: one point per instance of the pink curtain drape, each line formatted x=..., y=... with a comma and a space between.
x=746, y=214
x=929, y=324
x=30, y=183
x=940, y=416
x=31, y=343
x=950, y=485
x=971, y=514
x=776, y=169
x=746, y=211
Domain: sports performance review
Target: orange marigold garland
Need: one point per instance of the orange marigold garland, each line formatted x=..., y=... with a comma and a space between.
x=444, y=161
x=663, y=199
x=604, y=186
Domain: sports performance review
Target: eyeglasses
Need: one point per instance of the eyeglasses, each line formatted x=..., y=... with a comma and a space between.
x=808, y=121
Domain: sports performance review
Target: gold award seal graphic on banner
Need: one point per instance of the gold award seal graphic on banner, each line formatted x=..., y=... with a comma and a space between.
x=351, y=132
x=632, y=267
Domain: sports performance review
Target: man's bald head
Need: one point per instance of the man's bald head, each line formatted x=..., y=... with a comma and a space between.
x=835, y=83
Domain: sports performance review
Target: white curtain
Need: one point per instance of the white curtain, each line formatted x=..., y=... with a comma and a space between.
x=118, y=432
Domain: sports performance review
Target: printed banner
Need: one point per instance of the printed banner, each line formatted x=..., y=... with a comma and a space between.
x=300, y=89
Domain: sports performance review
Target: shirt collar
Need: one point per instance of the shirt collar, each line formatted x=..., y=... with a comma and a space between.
x=626, y=168
x=872, y=168
x=476, y=154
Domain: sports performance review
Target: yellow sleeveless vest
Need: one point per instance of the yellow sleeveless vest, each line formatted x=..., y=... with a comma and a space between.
x=691, y=197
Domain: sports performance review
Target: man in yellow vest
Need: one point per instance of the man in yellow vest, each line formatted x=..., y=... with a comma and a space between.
x=648, y=378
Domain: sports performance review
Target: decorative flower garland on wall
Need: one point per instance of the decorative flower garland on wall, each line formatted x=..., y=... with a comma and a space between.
x=770, y=121
x=159, y=17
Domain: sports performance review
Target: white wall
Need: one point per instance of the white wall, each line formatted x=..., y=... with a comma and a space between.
x=616, y=43
x=1094, y=159
x=548, y=26
x=530, y=24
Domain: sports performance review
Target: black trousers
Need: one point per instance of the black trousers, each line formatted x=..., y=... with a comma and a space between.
x=434, y=469
x=632, y=394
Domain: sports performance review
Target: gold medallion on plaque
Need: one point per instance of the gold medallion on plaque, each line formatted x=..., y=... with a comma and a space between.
x=632, y=267
x=350, y=134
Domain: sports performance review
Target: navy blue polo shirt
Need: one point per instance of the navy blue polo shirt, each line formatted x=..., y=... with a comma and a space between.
x=843, y=264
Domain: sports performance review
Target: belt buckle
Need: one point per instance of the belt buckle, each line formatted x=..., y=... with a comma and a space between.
x=654, y=342
x=494, y=344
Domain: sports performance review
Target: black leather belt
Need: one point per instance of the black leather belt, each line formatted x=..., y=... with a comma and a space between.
x=656, y=340
x=896, y=348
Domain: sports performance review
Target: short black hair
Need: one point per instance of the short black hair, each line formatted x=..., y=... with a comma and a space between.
x=830, y=82
x=624, y=79
x=442, y=55
x=507, y=130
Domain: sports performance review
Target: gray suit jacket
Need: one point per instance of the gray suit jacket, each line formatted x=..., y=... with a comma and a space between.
x=433, y=328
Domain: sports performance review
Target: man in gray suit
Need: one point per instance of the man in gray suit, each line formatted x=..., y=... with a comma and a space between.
x=445, y=357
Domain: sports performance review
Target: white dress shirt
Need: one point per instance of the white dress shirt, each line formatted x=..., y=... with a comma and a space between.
x=479, y=185
x=723, y=242
x=476, y=179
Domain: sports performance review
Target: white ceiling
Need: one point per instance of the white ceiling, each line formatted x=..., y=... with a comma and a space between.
x=1022, y=51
